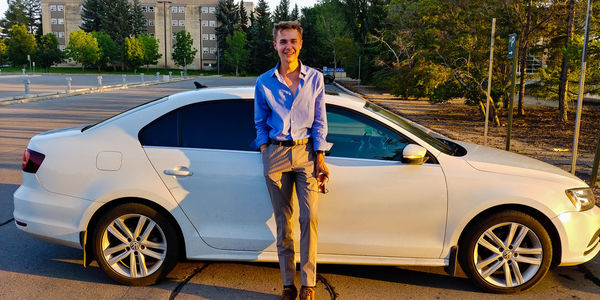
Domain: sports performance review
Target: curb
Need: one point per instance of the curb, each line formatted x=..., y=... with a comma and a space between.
x=53, y=95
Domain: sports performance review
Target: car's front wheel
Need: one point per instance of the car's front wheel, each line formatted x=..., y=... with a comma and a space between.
x=506, y=252
x=135, y=245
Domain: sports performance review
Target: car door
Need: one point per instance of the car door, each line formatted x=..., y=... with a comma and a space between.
x=212, y=171
x=376, y=205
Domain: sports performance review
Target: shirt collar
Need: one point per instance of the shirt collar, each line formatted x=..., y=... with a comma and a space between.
x=303, y=70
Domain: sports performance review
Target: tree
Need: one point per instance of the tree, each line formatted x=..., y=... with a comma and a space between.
x=236, y=54
x=137, y=18
x=93, y=13
x=47, y=52
x=183, y=52
x=295, y=15
x=133, y=53
x=109, y=52
x=33, y=10
x=15, y=15
x=83, y=48
x=116, y=21
x=228, y=17
x=20, y=44
x=282, y=11
x=260, y=38
x=331, y=26
x=243, y=17
x=150, y=45
x=3, y=50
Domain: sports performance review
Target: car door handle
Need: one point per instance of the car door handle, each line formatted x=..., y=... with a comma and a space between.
x=179, y=171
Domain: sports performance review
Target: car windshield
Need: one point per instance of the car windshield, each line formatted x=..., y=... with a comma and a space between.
x=121, y=114
x=437, y=143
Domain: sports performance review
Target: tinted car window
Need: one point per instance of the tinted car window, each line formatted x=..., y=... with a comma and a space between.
x=357, y=136
x=161, y=132
x=218, y=125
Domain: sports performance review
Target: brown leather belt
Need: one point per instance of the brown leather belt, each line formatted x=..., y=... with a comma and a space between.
x=291, y=143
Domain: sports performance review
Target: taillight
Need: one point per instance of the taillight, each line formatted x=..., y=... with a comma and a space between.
x=32, y=161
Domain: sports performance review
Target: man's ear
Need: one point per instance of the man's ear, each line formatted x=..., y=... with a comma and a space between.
x=275, y=45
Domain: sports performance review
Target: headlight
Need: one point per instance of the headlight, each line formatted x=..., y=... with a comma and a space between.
x=582, y=198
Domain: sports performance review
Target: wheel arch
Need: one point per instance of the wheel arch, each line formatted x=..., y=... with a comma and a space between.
x=88, y=241
x=538, y=215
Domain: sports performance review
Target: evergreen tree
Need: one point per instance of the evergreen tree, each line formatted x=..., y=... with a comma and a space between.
x=137, y=19
x=33, y=11
x=243, y=17
x=282, y=12
x=20, y=44
x=93, y=13
x=15, y=15
x=183, y=52
x=116, y=20
x=262, y=58
x=295, y=15
x=228, y=18
x=47, y=52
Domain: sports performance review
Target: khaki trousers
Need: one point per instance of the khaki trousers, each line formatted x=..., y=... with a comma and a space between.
x=285, y=167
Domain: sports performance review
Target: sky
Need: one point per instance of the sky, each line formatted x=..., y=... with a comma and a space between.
x=272, y=4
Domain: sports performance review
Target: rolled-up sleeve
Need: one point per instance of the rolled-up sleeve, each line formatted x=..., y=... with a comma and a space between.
x=319, y=128
x=261, y=113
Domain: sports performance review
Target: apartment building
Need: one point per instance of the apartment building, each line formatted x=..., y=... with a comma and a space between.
x=163, y=19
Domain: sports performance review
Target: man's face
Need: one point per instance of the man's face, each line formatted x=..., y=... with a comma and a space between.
x=288, y=44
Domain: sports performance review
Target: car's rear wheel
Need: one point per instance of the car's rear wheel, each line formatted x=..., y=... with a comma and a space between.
x=506, y=252
x=135, y=245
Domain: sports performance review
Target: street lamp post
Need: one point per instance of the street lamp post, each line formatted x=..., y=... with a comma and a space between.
x=164, y=2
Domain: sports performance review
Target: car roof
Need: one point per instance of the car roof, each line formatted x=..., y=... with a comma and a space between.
x=247, y=92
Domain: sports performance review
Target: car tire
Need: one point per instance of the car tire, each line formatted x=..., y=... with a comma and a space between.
x=506, y=252
x=134, y=234
x=328, y=80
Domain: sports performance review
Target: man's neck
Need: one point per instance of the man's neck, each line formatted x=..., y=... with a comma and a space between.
x=286, y=68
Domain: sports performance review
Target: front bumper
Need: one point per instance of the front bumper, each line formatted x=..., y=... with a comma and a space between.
x=580, y=235
x=49, y=216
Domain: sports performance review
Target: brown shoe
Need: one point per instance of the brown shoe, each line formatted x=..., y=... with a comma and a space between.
x=307, y=293
x=289, y=293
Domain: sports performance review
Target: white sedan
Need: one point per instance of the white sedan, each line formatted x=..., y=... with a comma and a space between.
x=178, y=178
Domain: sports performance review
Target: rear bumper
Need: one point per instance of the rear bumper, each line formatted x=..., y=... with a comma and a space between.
x=49, y=216
x=580, y=236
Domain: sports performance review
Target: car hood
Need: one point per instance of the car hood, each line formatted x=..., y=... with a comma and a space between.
x=488, y=159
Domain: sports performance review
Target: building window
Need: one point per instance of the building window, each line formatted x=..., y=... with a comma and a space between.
x=205, y=50
x=182, y=9
x=53, y=21
x=61, y=21
x=60, y=7
x=174, y=22
x=61, y=47
x=212, y=37
x=204, y=9
x=61, y=34
x=150, y=22
x=173, y=36
x=205, y=36
x=150, y=8
x=181, y=23
x=205, y=23
x=53, y=8
x=213, y=23
x=151, y=34
x=211, y=10
x=144, y=8
x=213, y=50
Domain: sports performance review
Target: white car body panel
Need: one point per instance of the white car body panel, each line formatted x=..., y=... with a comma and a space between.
x=377, y=212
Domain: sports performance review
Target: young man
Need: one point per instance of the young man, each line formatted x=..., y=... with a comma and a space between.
x=291, y=126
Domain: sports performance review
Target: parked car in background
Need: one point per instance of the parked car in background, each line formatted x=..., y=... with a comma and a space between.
x=328, y=78
x=178, y=178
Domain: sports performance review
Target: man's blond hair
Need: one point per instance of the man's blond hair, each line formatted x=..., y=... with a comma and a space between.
x=287, y=25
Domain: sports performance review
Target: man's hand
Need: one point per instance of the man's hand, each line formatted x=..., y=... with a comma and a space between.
x=263, y=147
x=321, y=168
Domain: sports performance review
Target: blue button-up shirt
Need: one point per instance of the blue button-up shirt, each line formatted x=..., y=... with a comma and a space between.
x=281, y=116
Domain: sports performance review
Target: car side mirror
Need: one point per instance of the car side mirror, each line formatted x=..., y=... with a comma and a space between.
x=414, y=154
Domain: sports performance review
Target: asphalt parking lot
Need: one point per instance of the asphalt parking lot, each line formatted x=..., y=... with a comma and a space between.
x=33, y=269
